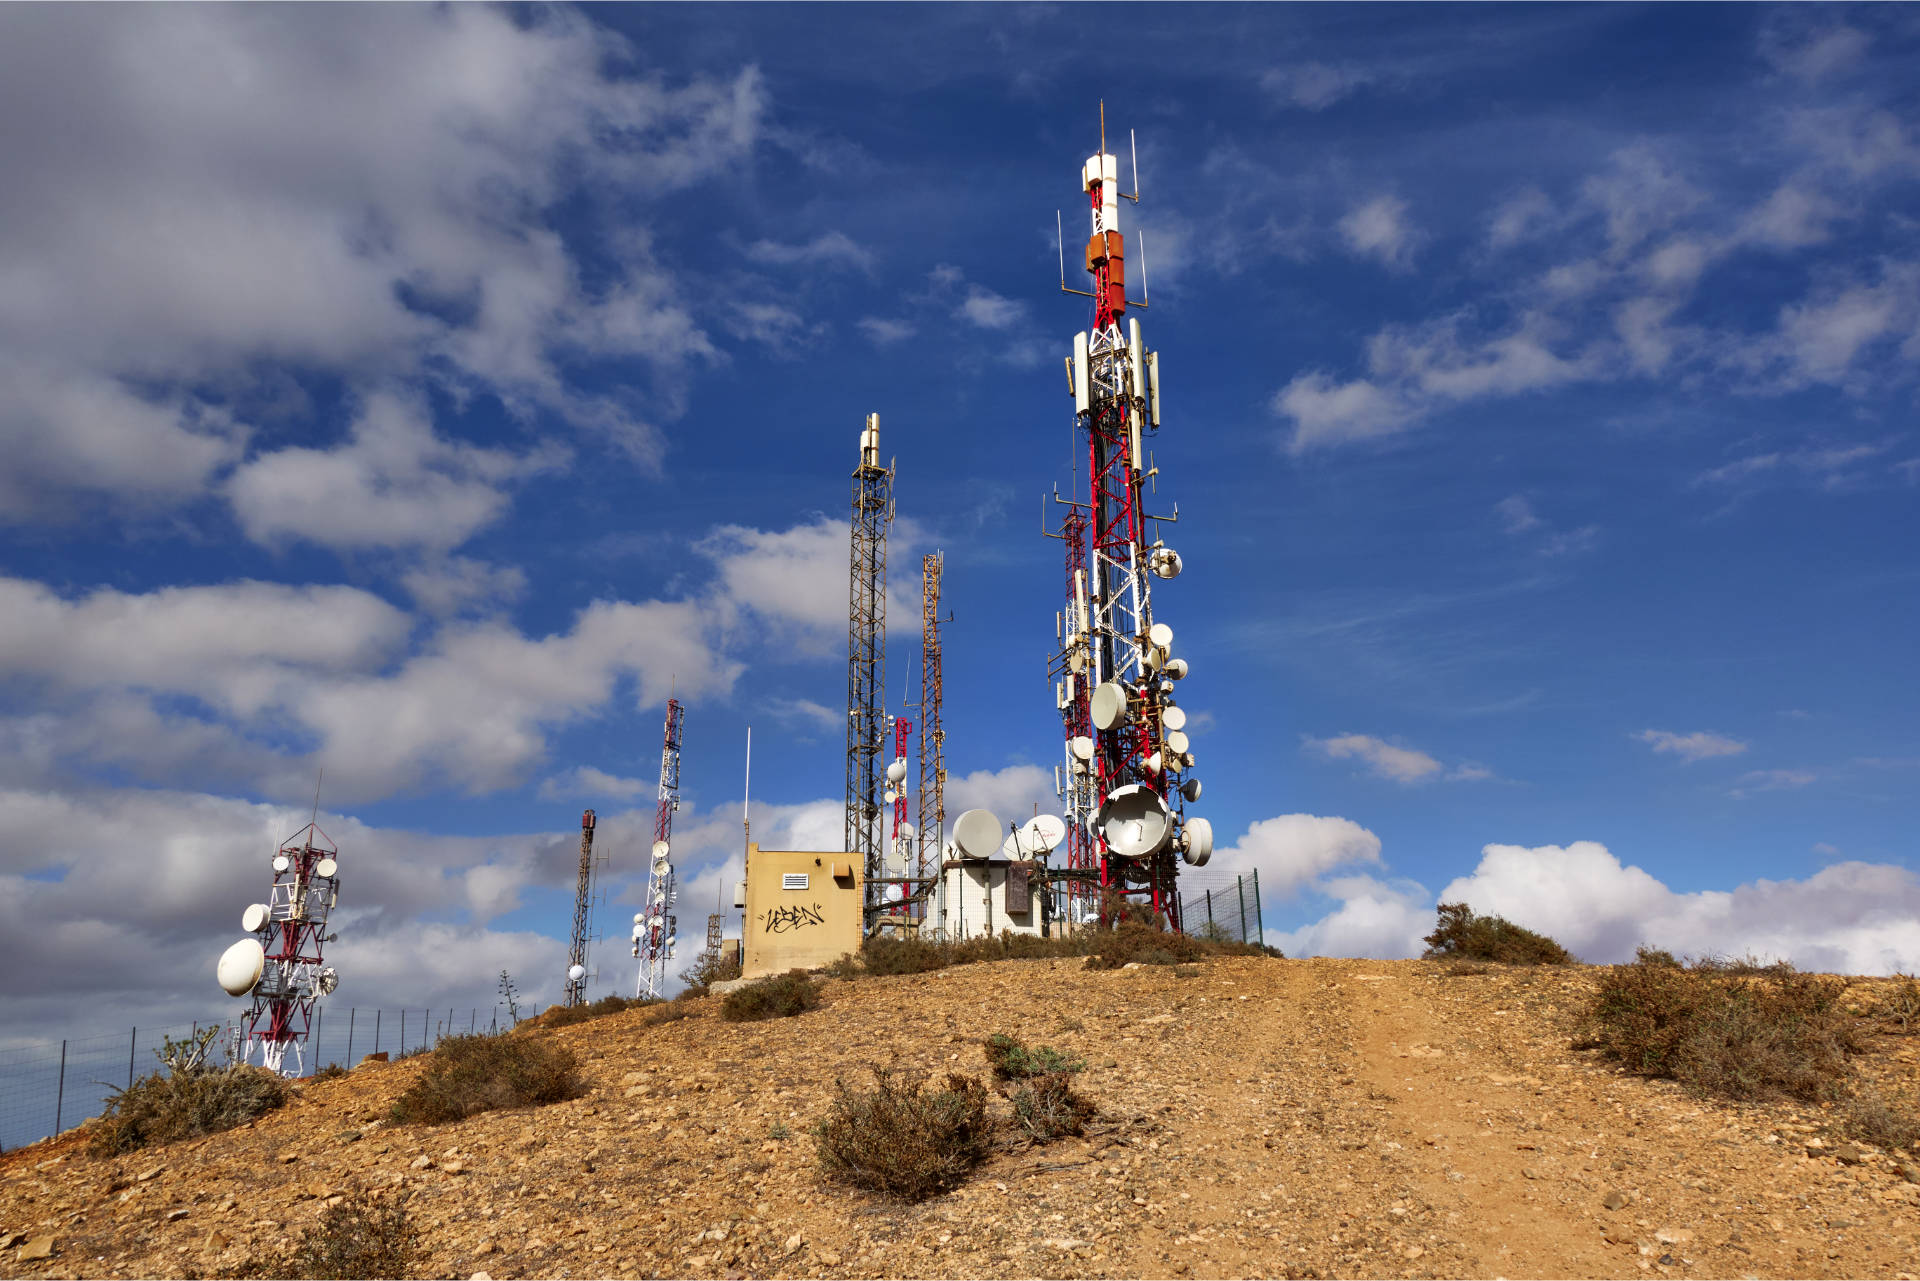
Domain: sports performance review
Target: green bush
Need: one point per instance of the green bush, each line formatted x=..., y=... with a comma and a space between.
x=567, y=1015
x=186, y=1101
x=467, y=1075
x=1738, y=1029
x=883, y=955
x=331, y=1072
x=1463, y=935
x=1013, y=1060
x=778, y=997
x=901, y=1139
x=1645, y=955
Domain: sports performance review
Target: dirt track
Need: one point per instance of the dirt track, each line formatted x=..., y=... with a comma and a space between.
x=1265, y=1118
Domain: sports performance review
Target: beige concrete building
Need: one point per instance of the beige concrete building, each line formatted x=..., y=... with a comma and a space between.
x=802, y=910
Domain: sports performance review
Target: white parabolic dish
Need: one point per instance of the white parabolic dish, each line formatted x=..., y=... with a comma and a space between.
x=1109, y=705
x=1043, y=833
x=254, y=917
x=1134, y=821
x=659, y=849
x=1174, y=718
x=325, y=867
x=977, y=834
x=576, y=972
x=240, y=967
x=1196, y=841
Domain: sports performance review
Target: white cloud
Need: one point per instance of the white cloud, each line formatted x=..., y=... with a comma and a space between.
x=1011, y=793
x=828, y=249
x=1793, y=217
x=807, y=713
x=1401, y=764
x=1771, y=780
x=458, y=583
x=1325, y=412
x=1811, y=56
x=1379, y=229
x=882, y=332
x=1293, y=849
x=1314, y=85
x=1640, y=194
x=585, y=780
x=1374, y=918
x=990, y=310
x=1516, y=514
x=365, y=199
x=1697, y=746
x=1519, y=218
x=797, y=577
x=397, y=484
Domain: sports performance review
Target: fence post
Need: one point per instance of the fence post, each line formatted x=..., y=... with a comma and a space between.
x=318, y=1016
x=1237, y=889
x=1258, y=925
x=60, y=1097
x=473, y=1022
x=403, y=1031
x=350, y=1011
x=376, y=1031
x=1209, y=909
x=133, y=1044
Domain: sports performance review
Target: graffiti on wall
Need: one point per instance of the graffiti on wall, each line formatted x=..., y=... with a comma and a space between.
x=784, y=920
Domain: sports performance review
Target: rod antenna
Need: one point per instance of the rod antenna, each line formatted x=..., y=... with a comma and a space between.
x=322, y=778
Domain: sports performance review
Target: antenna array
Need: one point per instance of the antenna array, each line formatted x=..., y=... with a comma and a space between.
x=576, y=985
x=654, y=926
x=281, y=966
x=931, y=828
x=866, y=658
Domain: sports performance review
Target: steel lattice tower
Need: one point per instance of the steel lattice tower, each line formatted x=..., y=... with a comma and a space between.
x=1119, y=672
x=655, y=926
x=292, y=932
x=1074, y=780
x=867, y=657
x=576, y=990
x=931, y=831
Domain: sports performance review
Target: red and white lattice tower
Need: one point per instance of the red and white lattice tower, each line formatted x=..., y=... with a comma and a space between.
x=900, y=839
x=281, y=968
x=655, y=927
x=1127, y=755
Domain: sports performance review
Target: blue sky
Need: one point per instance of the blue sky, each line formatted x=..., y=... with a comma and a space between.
x=423, y=394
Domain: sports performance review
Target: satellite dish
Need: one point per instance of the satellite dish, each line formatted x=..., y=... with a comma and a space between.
x=1043, y=833
x=897, y=770
x=1150, y=659
x=1166, y=563
x=240, y=967
x=1082, y=747
x=889, y=797
x=1177, y=742
x=659, y=898
x=639, y=917
x=326, y=867
x=1109, y=705
x=1173, y=717
x=1160, y=636
x=1196, y=841
x=576, y=972
x=1076, y=661
x=660, y=851
x=977, y=834
x=1134, y=821
x=1153, y=764
x=1176, y=669
x=1191, y=789
x=280, y=863
x=254, y=919
x=329, y=980
x=896, y=892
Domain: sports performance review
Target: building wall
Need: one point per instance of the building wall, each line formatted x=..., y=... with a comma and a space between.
x=787, y=929
x=973, y=901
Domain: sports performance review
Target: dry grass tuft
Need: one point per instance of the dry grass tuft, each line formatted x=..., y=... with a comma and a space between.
x=567, y=1015
x=1047, y=1107
x=781, y=996
x=1868, y=1117
x=1461, y=934
x=467, y=1075
x=361, y=1236
x=903, y=1140
x=186, y=1101
x=1013, y=1060
x=1739, y=1029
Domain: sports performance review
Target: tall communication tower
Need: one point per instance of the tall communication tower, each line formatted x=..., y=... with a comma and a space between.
x=1074, y=779
x=282, y=967
x=1130, y=752
x=931, y=829
x=655, y=926
x=867, y=657
x=576, y=989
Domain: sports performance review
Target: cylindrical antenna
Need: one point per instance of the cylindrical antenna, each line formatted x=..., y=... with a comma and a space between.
x=1140, y=239
x=1060, y=244
x=746, y=794
x=1134, y=147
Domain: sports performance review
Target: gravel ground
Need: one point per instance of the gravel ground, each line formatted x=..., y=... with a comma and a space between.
x=1257, y=1118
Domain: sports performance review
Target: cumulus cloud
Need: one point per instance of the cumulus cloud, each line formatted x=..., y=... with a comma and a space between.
x=882, y=332
x=585, y=780
x=1697, y=746
x=364, y=199
x=1314, y=85
x=797, y=577
x=1401, y=764
x=828, y=249
x=1293, y=849
x=1851, y=917
x=1771, y=780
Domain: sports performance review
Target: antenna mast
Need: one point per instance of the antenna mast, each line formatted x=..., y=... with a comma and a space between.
x=931, y=828
x=1127, y=759
x=866, y=659
x=281, y=968
x=655, y=927
x=576, y=989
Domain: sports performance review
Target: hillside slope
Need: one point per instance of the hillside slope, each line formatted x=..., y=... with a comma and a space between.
x=1297, y=1118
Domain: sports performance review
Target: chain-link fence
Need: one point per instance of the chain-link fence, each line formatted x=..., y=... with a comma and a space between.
x=53, y=1085
x=1226, y=907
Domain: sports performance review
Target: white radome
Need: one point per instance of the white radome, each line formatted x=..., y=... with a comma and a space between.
x=240, y=967
x=576, y=972
x=254, y=919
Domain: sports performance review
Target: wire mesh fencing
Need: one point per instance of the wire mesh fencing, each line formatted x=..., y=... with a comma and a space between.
x=1223, y=907
x=50, y=1086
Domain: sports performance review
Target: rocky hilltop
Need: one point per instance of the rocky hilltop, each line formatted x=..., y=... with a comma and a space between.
x=1257, y=1118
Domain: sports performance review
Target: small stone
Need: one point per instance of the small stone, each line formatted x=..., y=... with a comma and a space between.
x=1847, y=1154
x=40, y=1247
x=480, y=1276
x=10, y=1239
x=1666, y=1260
x=1615, y=1200
x=828, y=1259
x=421, y=1163
x=1414, y=1251
x=1673, y=1236
x=455, y=1167
x=1910, y=1172
x=794, y=1242
x=216, y=1240
x=288, y=1158
x=174, y=1216
x=348, y=1136
x=149, y=1176
x=1533, y=1172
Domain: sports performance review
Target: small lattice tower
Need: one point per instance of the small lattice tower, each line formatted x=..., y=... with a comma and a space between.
x=866, y=659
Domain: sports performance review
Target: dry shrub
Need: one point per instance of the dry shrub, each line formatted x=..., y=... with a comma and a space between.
x=1868, y=1117
x=1645, y=955
x=708, y=969
x=1898, y=1006
x=778, y=997
x=360, y=1236
x=1462, y=934
x=845, y=966
x=331, y=1072
x=567, y=1015
x=1146, y=942
x=471, y=1074
x=1047, y=1107
x=1013, y=1060
x=186, y=1101
x=882, y=955
x=903, y=1140
x=1738, y=1029
x=671, y=1012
